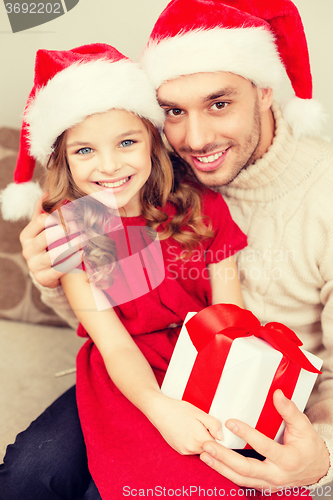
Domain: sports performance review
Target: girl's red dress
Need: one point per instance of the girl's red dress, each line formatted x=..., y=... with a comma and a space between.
x=127, y=456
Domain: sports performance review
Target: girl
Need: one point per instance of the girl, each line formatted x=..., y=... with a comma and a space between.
x=93, y=118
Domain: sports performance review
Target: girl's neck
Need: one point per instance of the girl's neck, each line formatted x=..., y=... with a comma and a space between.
x=129, y=213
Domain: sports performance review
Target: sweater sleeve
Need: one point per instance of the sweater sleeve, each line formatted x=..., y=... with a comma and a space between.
x=56, y=299
x=321, y=413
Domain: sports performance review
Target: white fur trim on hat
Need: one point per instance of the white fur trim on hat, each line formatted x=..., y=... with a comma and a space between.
x=306, y=117
x=248, y=52
x=19, y=200
x=85, y=89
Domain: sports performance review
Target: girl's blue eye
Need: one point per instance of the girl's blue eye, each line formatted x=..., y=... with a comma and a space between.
x=126, y=143
x=84, y=151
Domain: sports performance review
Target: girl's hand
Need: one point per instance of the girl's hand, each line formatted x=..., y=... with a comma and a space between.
x=184, y=427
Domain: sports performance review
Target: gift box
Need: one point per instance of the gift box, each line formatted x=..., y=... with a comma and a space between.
x=228, y=365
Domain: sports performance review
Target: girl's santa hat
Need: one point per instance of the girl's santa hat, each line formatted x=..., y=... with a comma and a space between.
x=257, y=39
x=69, y=86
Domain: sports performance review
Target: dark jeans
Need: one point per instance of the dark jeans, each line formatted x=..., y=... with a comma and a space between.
x=48, y=461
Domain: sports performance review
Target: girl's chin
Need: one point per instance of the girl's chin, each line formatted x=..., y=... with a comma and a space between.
x=106, y=197
x=117, y=204
x=117, y=199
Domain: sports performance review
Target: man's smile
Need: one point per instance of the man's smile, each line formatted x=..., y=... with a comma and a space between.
x=209, y=159
x=209, y=162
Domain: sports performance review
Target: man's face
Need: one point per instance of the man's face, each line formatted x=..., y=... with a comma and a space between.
x=213, y=121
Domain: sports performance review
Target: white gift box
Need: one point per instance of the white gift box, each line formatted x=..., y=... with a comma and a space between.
x=244, y=384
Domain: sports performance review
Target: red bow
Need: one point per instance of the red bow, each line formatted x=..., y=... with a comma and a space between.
x=213, y=331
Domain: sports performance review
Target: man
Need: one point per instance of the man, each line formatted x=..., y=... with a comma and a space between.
x=215, y=67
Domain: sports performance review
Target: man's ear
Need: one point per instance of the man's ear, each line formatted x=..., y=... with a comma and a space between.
x=265, y=98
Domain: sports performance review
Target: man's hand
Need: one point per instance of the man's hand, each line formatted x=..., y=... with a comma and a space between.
x=34, y=250
x=302, y=460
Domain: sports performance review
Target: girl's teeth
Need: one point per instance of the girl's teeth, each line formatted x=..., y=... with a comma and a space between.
x=211, y=158
x=113, y=184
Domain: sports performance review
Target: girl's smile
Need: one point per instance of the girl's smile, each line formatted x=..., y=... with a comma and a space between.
x=111, y=151
x=114, y=184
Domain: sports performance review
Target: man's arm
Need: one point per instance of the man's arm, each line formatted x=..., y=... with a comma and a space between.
x=305, y=456
x=56, y=299
x=226, y=287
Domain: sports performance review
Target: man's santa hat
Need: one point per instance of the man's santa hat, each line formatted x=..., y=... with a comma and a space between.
x=69, y=86
x=257, y=39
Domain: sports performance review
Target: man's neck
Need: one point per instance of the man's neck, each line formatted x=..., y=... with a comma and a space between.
x=267, y=133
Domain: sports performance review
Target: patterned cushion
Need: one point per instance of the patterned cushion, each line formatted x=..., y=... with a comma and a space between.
x=19, y=298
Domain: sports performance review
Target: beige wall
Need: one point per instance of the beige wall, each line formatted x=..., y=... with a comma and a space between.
x=126, y=24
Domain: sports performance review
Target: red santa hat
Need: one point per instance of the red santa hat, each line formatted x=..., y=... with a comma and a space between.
x=69, y=86
x=257, y=39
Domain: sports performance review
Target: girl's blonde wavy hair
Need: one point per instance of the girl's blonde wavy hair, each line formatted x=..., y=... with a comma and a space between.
x=164, y=184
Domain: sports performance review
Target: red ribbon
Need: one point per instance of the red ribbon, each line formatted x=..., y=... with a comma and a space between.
x=212, y=332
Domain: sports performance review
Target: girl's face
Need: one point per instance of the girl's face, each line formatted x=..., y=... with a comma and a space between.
x=111, y=152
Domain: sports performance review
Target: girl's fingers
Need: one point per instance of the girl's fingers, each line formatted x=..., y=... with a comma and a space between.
x=213, y=425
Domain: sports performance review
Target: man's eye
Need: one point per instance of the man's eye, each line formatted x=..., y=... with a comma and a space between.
x=174, y=112
x=84, y=151
x=219, y=105
x=126, y=143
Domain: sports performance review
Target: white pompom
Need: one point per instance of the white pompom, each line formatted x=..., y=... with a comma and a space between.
x=306, y=117
x=18, y=200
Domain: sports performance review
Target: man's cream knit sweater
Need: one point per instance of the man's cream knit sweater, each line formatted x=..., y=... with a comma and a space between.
x=284, y=203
